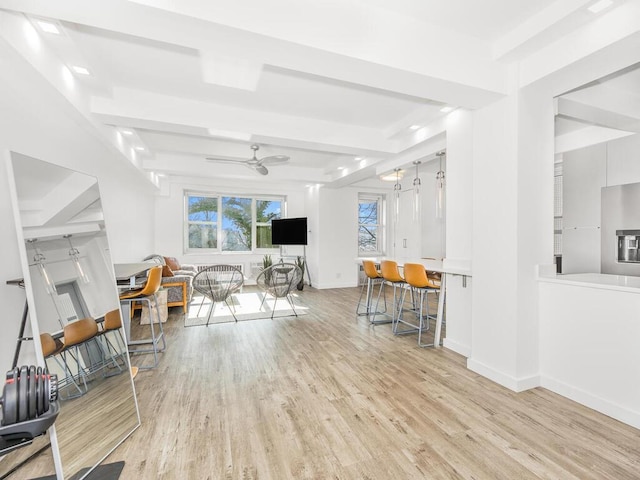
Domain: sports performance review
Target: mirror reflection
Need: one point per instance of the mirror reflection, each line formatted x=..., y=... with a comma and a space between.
x=77, y=311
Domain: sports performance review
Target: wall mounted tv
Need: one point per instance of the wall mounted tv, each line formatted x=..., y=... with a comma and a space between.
x=289, y=231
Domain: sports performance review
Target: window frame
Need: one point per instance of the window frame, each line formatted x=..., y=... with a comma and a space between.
x=379, y=199
x=218, y=224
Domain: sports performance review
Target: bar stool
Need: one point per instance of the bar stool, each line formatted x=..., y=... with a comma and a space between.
x=374, y=277
x=112, y=323
x=417, y=278
x=391, y=274
x=75, y=334
x=51, y=347
x=148, y=294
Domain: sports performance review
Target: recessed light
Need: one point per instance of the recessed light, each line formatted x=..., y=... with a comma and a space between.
x=48, y=27
x=340, y=168
x=80, y=70
x=446, y=109
x=140, y=149
x=599, y=6
x=357, y=159
x=414, y=127
x=127, y=132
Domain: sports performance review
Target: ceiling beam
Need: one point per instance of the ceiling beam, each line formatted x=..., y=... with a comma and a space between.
x=385, y=59
x=588, y=114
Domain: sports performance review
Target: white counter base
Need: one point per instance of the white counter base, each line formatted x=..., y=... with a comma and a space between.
x=590, y=341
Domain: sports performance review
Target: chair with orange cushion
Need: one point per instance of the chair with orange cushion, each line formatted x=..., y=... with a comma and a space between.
x=416, y=276
x=112, y=323
x=374, y=277
x=391, y=275
x=148, y=294
x=51, y=347
x=75, y=335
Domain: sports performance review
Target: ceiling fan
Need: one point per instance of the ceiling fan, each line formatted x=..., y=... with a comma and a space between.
x=255, y=163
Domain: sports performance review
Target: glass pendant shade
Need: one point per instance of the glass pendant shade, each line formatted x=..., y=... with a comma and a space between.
x=396, y=197
x=75, y=258
x=39, y=258
x=417, y=199
x=440, y=184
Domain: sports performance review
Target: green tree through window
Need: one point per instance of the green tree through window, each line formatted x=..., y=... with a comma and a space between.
x=230, y=223
x=202, y=222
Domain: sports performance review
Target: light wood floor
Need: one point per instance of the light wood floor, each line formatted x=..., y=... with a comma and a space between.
x=329, y=396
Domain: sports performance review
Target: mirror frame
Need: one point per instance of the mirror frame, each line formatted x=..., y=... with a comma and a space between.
x=33, y=314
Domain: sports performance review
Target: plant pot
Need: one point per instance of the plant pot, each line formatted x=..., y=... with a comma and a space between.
x=300, y=286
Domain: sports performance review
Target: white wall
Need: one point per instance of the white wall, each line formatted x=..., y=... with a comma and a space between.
x=513, y=233
x=495, y=241
x=459, y=228
x=337, y=237
x=37, y=121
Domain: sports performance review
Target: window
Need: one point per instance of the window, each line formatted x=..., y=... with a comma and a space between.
x=266, y=210
x=202, y=222
x=370, y=224
x=230, y=223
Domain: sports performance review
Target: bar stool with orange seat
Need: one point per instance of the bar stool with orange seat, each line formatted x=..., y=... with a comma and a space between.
x=51, y=347
x=112, y=322
x=148, y=294
x=374, y=277
x=75, y=334
x=418, y=279
x=391, y=274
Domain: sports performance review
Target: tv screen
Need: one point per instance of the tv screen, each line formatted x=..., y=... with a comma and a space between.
x=289, y=231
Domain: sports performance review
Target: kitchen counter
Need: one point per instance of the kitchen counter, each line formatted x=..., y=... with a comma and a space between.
x=589, y=336
x=622, y=283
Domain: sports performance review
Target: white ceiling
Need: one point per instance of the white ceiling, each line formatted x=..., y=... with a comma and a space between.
x=321, y=82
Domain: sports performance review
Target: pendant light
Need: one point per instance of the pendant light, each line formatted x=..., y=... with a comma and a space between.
x=440, y=184
x=417, y=201
x=75, y=258
x=396, y=195
x=39, y=260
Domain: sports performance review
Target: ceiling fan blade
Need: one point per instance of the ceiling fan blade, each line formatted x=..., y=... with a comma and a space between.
x=274, y=160
x=225, y=160
x=257, y=168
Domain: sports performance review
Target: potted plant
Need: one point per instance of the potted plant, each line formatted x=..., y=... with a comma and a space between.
x=266, y=263
x=300, y=263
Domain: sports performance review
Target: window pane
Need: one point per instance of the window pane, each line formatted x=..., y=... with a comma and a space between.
x=368, y=212
x=236, y=224
x=202, y=236
x=367, y=238
x=203, y=209
x=267, y=210
x=263, y=236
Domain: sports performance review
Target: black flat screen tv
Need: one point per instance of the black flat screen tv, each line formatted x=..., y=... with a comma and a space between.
x=289, y=231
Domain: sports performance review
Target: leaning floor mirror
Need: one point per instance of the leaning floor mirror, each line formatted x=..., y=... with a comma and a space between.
x=74, y=313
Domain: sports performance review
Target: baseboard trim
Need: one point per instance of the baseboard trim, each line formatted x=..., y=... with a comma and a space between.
x=457, y=347
x=606, y=407
x=508, y=381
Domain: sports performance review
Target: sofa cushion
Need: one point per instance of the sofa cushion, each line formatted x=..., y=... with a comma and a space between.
x=166, y=271
x=172, y=263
